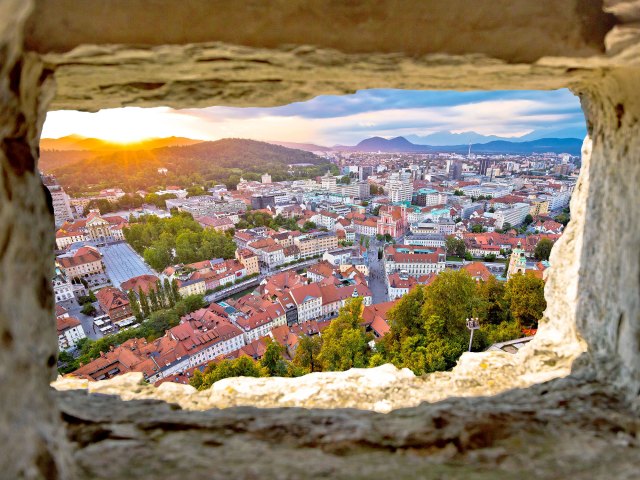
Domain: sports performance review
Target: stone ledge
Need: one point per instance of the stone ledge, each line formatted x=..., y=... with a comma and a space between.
x=379, y=389
x=566, y=428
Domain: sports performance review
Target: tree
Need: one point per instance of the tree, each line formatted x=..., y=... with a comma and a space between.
x=455, y=246
x=169, y=293
x=477, y=228
x=153, y=300
x=458, y=193
x=506, y=226
x=493, y=309
x=345, y=180
x=240, y=367
x=135, y=305
x=344, y=342
x=175, y=290
x=453, y=297
x=272, y=361
x=189, y=304
x=88, y=309
x=308, y=226
x=376, y=211
x=528, y=220
x=563, y=218
x=543, y=249
x=525, y=297
x=307, y=353
x=144, y=303
x=162, y=301
x=159, y=322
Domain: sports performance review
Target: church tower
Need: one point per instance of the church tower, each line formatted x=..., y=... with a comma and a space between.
x=517, y=262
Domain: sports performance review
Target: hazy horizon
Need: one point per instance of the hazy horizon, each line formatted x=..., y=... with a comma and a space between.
x=328, y=120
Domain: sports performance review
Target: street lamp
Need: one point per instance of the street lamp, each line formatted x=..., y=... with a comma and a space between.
x=472, y=324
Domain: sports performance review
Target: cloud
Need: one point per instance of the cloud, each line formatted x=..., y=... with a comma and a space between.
x=347, y=119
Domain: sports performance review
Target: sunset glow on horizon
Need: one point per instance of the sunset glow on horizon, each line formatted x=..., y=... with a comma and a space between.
x=347, y=119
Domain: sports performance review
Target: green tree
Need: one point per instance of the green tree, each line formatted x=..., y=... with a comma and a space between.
x=144, y=303
x=458, y=193
x=525, y=297
x=307, y=353
x=157, y=258
x=308, y=226
x=272, y=361
x=493, y=308
x=161, y=321
x=563, y=218
x=455, y=246
x=168, y=293
x=344, y=341
x=175, y=290
x=162, y=301
x=88, y=309
x=477, y=228
x=153, y=300
x=453, y=297
x=189, y=304
x=528, y=220
x=240, y=367
x=543, y=249
x=135, y=305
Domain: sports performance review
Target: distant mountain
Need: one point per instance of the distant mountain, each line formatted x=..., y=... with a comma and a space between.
x=79, y=143
x=444, y=138
x=402, y=145
x=379, y=144
x=449, y=138
x=222, y=161
x=308, y=147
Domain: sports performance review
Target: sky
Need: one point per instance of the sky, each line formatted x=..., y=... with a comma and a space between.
x=342, y=119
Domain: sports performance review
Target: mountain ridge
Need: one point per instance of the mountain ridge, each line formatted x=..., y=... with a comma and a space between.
x=402, y=145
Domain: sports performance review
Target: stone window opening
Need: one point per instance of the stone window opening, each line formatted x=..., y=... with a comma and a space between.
x=542, y=426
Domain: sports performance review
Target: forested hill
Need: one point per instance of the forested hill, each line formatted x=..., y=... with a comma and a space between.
x=222, y=161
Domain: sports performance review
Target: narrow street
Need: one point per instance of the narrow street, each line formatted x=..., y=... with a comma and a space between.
x=377, y=283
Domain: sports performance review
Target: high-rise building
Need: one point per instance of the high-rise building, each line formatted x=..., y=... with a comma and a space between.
x=328, y=182
x=262, y=201
x=455, y=171
x=61, y=205
x=364, y=172
x=484, y=164
x=400, y=187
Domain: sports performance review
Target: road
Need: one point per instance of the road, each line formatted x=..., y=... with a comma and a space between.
x=90, y=330
x=377, y=283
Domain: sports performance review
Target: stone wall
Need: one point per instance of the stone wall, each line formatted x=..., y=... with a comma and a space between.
x=235, y=56
x=30, y=430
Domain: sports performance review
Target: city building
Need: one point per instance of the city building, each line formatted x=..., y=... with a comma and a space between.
x=399, y=187
x=115, y=304
x=70, y=332
x=81, y=263
x=61, y=204
x=513, y=216
x=413, y=260
x=315, y=243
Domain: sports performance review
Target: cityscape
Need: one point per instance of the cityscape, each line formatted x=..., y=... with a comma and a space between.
x=191, y=260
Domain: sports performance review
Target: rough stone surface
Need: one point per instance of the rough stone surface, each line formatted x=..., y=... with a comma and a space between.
x=561, y=429
x=381, y=389
x=30, y=430
x=510, y=30
x=580, y=426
